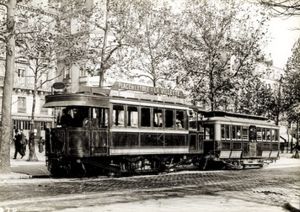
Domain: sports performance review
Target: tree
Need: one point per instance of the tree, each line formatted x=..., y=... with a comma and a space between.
x=110, y=25
x=6, y=127
x=291, y=84
x=283, y=7
x=218, y=49
x=38, y=48
x=152, y=52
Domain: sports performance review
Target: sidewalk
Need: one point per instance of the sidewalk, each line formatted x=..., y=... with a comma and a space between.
x=285, y=161
x=23, y=169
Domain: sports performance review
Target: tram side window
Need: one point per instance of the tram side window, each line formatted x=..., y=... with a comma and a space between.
x=180, y=119
x=157, y=117
x=145, y=117
x=238, y=132
x=268, y=133
x=118, y=115
x=169, y=118
x=227, y=132
x=209, y=132
x=223, y=131
x=244, y=132
x=263, y=133
x=201, y=132
x=258, y=134
x=99, y=117
x=276, y=135
x=193, y=121
x=132, y=116
x=233, y=132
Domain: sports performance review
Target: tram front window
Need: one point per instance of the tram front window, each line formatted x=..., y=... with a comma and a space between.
x=72, y=117
x=99, y=117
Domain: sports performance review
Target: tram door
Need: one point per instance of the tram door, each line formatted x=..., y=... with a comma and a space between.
x=99, y=131
x=193, y=142
x=208, y=139
x=252, y=141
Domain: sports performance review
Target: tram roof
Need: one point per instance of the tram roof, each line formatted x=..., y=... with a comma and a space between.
x=237, y=118
x=65, y=100
x=210, y=114
x=100, y=97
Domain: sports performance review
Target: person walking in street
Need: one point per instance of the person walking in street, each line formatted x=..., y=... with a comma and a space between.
x=23, y=144
x=18, y=144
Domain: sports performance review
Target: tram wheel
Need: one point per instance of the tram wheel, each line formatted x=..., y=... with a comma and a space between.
x=58, y=169
x=78, y=169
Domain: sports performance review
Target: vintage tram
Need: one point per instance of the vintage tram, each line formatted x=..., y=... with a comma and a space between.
x=240, y=140
x=135, y=129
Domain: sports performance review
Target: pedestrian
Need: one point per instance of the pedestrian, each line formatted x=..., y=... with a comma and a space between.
x=41, y=143
x=23, y=144
x=18, y=145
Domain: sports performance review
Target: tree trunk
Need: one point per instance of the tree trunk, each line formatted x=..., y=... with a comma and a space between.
x=102, y=65
x=31, y=144
x=6, y=126
x=101, y=78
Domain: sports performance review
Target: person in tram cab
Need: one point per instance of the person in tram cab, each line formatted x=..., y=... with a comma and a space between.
x=80, y=117
x=66, y=118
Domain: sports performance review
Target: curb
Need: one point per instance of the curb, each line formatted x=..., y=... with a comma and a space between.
x=14, y=175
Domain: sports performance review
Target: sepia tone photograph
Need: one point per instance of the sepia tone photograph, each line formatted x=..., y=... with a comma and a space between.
x=149, y=105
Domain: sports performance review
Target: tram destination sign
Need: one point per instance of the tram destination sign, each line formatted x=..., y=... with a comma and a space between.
x=147, y=89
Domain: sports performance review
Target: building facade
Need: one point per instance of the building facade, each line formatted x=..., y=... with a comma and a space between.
x=22, y=100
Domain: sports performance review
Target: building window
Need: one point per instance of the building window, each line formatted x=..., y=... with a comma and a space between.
x=21, y=72
x=43, y=110
x=83, y=72
x=21, y=104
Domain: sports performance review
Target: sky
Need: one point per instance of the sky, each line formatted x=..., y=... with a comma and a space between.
x=283, y=37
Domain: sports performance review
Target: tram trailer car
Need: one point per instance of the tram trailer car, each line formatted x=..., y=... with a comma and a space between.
x=136, y=129
x=240, y=140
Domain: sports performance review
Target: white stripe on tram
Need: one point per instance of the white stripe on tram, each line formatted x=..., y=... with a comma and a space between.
x=139, y=130
x=149, y=104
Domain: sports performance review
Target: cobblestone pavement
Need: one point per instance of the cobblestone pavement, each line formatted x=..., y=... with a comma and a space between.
x=273, y=187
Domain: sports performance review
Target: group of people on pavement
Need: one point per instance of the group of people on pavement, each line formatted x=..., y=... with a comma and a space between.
x=21, y=142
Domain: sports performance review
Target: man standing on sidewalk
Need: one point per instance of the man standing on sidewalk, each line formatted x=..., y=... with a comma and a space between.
x=18, y=144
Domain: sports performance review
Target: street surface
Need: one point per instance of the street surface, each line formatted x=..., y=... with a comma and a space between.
x=267, y=189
